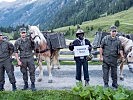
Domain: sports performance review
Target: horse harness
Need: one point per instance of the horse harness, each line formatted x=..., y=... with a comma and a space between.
x=42, y=51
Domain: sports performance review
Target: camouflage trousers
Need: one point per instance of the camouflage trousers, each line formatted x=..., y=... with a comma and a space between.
x=28, y=65
x=7, y=66
x=106, y=68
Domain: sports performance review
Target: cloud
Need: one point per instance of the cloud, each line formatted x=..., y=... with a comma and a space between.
x=7, y=0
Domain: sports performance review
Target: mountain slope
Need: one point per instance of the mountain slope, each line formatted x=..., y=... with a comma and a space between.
x=58, y=13
x=31, y=12
x=84, y=10
x=125, y=18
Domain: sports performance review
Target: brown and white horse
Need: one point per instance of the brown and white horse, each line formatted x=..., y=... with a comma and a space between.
x=127, y=45
x=43, y=52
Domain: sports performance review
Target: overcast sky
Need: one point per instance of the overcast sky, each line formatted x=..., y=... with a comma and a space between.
x=7, y=0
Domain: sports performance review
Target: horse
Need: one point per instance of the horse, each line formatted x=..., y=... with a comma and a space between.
x=43, y=52
x=127, y=45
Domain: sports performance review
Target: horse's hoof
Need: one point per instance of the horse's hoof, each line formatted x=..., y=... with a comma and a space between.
x=39, y=80
x=50, y=81
x=121, y=78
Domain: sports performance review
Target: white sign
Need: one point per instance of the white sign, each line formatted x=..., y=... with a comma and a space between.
x=81, y=50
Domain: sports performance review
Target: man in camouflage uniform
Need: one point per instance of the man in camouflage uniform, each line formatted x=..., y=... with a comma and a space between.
x=109, y=51
x=81, y=60
x=25, y=47
x=6, y=50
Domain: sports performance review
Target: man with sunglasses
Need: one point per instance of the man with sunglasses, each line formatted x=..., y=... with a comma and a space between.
x=109, y=51
x=6, y=50
x=24, y=46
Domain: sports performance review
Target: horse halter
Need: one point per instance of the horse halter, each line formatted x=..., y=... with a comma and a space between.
x=35, y=36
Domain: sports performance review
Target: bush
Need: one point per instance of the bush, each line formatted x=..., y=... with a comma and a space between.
x=100, y=93
x=117, y=23
x=16, y=36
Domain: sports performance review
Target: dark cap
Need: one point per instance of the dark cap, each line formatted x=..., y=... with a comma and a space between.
x=113, y=28
x=22, y=30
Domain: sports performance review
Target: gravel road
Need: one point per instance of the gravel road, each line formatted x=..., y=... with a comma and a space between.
x=64, y=78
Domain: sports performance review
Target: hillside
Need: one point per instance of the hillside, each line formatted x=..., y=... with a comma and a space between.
x=78, y=11
x=52, y=14
x=125, y=18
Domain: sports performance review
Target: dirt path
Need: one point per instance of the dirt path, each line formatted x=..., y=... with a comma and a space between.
x=64, y=78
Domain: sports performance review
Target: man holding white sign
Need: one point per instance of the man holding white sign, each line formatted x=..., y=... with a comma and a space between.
x=82, y=48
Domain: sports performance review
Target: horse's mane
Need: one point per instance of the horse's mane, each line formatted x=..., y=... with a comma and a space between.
x=36, y=30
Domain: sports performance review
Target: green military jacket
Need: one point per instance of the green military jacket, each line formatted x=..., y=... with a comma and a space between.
x=24, y=47
x=111, y=46
x=6, y=50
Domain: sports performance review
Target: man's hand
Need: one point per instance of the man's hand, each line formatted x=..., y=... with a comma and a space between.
x=101, y=56
x=89, y=57
x=123, y=59
x=71, y=43
x=71, y=46
x=19, y=63
x=101, y=59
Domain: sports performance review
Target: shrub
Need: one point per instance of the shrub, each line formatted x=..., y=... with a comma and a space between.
x=117, y=23
x=100, y=93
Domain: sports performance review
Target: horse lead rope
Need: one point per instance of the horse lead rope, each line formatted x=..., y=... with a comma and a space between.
x=38, y=59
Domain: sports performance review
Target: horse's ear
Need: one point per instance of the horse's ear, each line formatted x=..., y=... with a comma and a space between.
x=29, y=26
x=38, y=25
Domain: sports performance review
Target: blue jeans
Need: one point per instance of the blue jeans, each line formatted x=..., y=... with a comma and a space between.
x=79, y=64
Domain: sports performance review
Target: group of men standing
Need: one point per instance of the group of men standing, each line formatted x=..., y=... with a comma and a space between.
x=23, y=50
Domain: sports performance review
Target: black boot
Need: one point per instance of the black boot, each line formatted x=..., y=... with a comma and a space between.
x=106, y=85
x=25, y=86
x=33, y=86
x=115, y=85
x=2, y=87
x=14, y=88
x=86, y=83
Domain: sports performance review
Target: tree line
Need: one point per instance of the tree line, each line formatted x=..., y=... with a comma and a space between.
x=13, y=30
x=85, y=10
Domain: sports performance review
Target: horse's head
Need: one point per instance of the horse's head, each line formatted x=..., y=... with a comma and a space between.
x=130, y=55
x=130, y=59
x=36, y=35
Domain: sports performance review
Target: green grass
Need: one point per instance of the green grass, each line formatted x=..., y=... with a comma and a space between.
x=56, y=94
x=61, y=63
x=95, y=63
x=9, y=35
x=66, y=63
x=38, y=95
x=125, y=18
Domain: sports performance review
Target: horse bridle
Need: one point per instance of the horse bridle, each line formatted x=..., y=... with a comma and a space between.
x=36, y=37
x=39, y=51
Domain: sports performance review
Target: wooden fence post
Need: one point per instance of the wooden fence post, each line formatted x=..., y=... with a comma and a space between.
x=95, y=49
